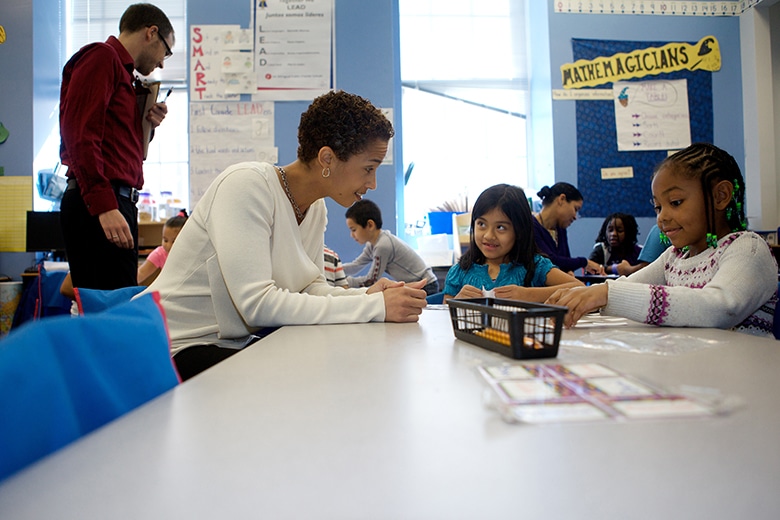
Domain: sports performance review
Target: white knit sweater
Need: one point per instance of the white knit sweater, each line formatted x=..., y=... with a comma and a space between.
x=241, y=263
x=731, y=287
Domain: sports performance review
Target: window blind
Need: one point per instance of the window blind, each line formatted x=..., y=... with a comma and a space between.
x=88, y=21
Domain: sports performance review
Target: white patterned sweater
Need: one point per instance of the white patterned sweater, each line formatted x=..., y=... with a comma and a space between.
x=733, y=286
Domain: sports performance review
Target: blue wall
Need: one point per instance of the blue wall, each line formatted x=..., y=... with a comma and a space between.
x=29, y=90
x=16, y=86
x=726, y=87
x=367, y=64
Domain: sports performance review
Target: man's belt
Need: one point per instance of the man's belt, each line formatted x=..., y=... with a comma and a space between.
x=120, y=190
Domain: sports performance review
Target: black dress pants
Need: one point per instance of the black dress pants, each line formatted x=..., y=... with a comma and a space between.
x=95, y=262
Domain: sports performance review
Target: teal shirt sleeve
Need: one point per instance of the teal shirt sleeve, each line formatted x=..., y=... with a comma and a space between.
x=454, y=281
x=543, y=267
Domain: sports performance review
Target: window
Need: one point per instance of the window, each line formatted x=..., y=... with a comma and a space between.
x=465, y=92
x=166, y=167
x=88, y=21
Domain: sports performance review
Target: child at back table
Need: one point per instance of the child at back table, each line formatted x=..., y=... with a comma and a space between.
x=153, y=264
x=616, y=248
x=383, y=250
x=502, y=257
x=717, y=274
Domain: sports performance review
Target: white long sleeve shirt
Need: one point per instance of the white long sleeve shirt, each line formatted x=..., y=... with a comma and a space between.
x=241, y=263
x=731, y=286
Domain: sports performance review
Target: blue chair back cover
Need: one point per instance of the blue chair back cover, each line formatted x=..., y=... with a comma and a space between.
x=63, y=377
x=41, y=298
x=96, y=300
x=435, y=298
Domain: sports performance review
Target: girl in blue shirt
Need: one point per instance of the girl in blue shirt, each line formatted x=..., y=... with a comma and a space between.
x=502, y=259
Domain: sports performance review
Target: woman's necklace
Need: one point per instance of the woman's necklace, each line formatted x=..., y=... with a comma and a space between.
x=298, y=212
x=553, y=232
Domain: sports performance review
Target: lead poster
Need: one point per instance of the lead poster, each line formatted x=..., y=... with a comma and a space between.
x=293, y=48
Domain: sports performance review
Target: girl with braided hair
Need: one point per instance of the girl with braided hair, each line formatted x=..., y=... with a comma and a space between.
x=616, y=245
x=716, y=274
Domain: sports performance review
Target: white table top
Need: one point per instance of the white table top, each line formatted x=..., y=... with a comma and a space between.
x=387, y=421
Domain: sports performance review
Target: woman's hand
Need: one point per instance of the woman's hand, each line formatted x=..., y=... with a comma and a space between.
x=382, y=284
x=386, y=283
x=405, y=302
x=580, y=301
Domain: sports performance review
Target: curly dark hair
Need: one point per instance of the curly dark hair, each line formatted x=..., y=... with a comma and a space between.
x=345, y=122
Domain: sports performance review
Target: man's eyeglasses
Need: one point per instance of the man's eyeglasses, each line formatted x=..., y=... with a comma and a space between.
x=168, y=51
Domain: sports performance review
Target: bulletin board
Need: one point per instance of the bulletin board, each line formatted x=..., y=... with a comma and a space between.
x=597, y=145
x=15, y=202
x=238, y=74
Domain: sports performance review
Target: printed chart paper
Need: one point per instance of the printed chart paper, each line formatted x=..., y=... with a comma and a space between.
x=224, y=133
x=652, y=115
x=210, y=45
x=293, y=48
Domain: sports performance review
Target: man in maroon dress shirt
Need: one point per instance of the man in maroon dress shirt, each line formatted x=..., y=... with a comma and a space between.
x=102, y=145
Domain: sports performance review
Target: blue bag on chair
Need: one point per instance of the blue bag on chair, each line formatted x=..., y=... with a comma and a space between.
x=41, y=298
x=63, y=377
x=435, y=298
x=96, y=300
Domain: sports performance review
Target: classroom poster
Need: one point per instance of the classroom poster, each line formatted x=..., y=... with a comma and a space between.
x=221, y=65
x=15, y=202
x=652, y=115
x=293, y=48
x=224, y=133
x=597, y=133
x=641, y=62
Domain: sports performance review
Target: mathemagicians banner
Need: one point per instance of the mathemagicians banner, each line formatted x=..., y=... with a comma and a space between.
x=672, y=57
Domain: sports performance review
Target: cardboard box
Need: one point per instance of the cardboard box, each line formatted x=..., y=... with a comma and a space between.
x=150, y=234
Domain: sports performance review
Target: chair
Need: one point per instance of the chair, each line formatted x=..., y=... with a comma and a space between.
x=461, y=230
x=435, y=298
x=41, y=298
x=96, y=300
x=63, y=377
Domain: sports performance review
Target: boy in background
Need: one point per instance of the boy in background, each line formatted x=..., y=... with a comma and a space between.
x=384, y=251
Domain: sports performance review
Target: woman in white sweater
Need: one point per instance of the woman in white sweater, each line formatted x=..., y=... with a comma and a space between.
x=717, y=274
x=250, y=257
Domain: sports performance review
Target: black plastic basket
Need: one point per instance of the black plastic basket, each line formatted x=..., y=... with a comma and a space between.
x=519, y=330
